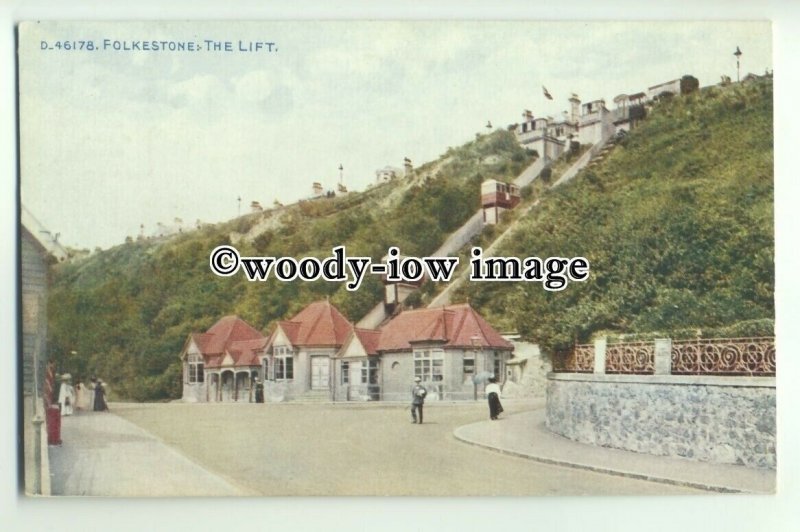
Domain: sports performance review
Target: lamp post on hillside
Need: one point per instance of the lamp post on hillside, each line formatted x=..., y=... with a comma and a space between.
x=738, y=54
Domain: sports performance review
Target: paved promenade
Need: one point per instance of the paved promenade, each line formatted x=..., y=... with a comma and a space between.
x=306, y=449
x=525, y=435
x=360, y=449
x=105, y=455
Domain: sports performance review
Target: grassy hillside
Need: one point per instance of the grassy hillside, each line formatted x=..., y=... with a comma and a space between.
x=127, y=311
x=677, y=224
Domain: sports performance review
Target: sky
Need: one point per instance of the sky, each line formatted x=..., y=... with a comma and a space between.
x=113, y=140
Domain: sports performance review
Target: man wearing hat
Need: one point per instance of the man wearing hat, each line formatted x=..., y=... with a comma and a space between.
x=418, y=393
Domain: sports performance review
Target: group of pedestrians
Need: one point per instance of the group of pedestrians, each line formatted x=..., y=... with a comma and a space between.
x=81, y=396
x=418, y=393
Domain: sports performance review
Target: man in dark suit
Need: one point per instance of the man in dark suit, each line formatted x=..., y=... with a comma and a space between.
x=418, y=393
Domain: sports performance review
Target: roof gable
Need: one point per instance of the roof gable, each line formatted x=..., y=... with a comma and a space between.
x=245, y=352
x=232, y=337
x=360, y=343
x=227, y=330
x=455, y=326
x=285, y=333
x=41, y=236
x=318, y=324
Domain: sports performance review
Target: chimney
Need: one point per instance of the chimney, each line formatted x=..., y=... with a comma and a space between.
x=574, y=108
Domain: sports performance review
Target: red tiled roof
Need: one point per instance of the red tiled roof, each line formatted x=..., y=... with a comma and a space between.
x=233, y=335
x=319, y=324
x=202, y=340
x=369, y=340
x=226, y=330
x=245, y=352
x=453, y=326
x=213, y=361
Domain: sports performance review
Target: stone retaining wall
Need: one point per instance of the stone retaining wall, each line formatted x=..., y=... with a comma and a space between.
x=729, y=420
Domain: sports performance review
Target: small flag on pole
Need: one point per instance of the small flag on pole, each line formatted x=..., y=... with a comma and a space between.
x=546, y=94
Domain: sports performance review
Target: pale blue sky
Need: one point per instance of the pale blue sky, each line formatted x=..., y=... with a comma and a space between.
x=111, y=140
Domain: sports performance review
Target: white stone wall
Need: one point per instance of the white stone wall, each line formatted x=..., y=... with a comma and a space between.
x=397, y=370
x=194, y=393
x=545, y=147
x=729, y=420
x=673, y=87
x=590, y=133
x=528, y=379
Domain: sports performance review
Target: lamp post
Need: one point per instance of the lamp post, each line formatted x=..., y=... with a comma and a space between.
x=475, y=341
x=738, y=54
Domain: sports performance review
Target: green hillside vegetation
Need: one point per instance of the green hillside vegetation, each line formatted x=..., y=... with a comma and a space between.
x=126, y=312
x=677, y=224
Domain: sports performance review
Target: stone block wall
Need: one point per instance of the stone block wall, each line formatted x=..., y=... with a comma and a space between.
x=728, y=420
x=195, y=392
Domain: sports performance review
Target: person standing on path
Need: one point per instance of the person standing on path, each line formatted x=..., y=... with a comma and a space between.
x=100, y=397
x=90, y=394
x=259, y=391
x=80, y=396
x=418, y=393
x=66, y=395
x=493, y=395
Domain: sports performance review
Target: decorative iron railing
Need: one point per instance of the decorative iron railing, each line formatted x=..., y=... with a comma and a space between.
x=711, y=356
x=579, y=360
x=724, y=356
x=630, y=357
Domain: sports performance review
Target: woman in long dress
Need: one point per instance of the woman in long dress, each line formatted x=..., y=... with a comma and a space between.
x=100, y=397
x=66, y=395
x=493, y=395
x=80, y=396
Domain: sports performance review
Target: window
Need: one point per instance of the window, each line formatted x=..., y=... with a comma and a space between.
x=345, y=372
x=369, y=372
x=266, y=369
x=284, y=364
x=194, y=373
x=498, y=366
x=429, y=364
x=469, y=364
